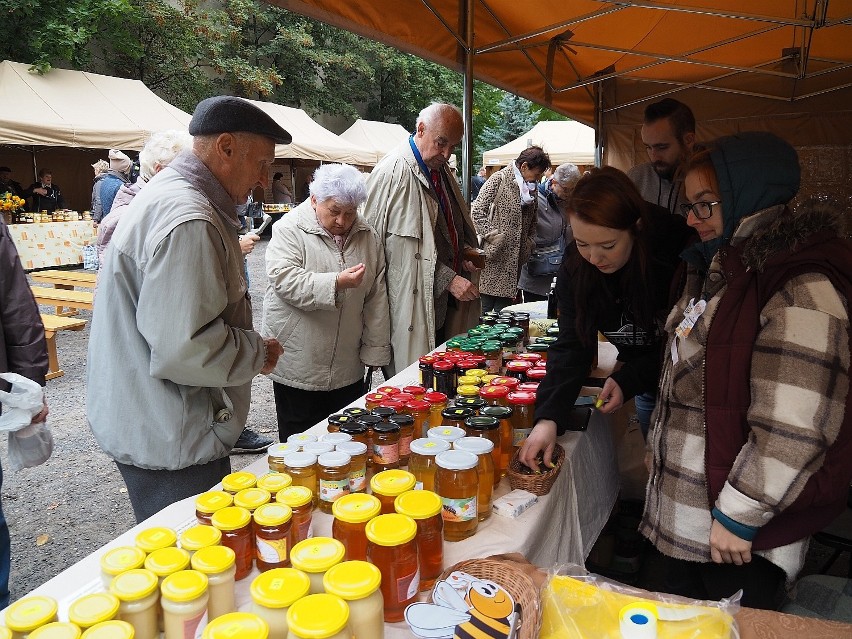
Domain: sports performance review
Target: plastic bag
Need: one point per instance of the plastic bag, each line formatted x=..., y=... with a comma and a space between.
x=90, y=257
x=29, y=444
x=580, y=605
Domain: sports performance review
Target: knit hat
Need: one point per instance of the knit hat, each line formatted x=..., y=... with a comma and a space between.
x=118, y=161
x=227, y=114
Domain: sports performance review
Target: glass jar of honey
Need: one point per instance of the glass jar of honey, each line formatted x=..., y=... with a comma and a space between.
x=369, y=421
x=336, y=438
x=244, y=625
x=315, y=556
x=522, y=320
x=473, y=403
x=492, y=351
x=152, y=539
x=237, y=534
x=482, y=448
x=518, y=368
x=219, y=564
x=112, y=629
x=523, y=416
x=273, y=482
x=447, y=433
x=318, y=448
x=444, y=377
x=437, y=402
x=504, y=415
x=138, y=594
x=251, y=498
x=302, y=468
x=334, y=470
x=235, y=482
x=466, y=380
x=404, y=397
x=272, y=524
x=355, y=411
x=272, y=594
x=383, y=412
x=319, y=616
x=300, y=439
x=299, y=499
x=387, y=484
x=388, y=390
x=455, y=416
x=539, y=348
x=385, y=446
x=393, y=403
x=357, y=583
x=372, y=400
x=197, y=537
x=337, y=420
x=357, y=431
x=406, y=434
x=510, y=382
x=88, y=610
x=487, y=428
x=351, y=514
x=417, y=391
x=27, y=614
x=467, y=391
x=183, y=596
x=357, y=452
x=421, y=464
x=531, y=387
x=494, y=395
x=424, y=507
x=456, y=482
x=392, y=548
x=419, y=411
x=536, y=374
x=425, y=368
x=119, y=560
x=276, y=454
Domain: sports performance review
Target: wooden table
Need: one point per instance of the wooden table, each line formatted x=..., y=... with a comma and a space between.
x=53, y=324
x=61, y=298
x=66, y=279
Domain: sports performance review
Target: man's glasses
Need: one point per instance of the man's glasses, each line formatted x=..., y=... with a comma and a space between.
x=701, y=210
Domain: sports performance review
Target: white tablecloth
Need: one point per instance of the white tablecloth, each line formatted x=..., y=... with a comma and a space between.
x=51, y=243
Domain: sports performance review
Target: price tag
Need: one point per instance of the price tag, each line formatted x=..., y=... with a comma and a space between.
x=690, y=315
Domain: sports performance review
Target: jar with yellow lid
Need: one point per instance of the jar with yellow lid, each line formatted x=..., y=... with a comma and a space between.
x=219, y=564
x=251, y=498
x=449, y=434
x=314, y=556
x=318, y=448
x=235, y=482
x=357, y=583
x=138, y=595
x=302, y=468
x=272, y=594
x=421, y=464
x=274, y=481
x=298, y=498
x=152, y=539
x=457, y=483
x=487, y=427
x=319, y=616
x=437, y=402
x=198, y=537
x=88, y=610
x=488, y=380
x=55, y=630
x=504, y=415
x=208, y=503
x=166, y=561
x=114, y=629
x=5, y=633
x=387, y=484
x=467, y=390
x=184, y=599
x=276, y=453
x=483, y=449
x=27, y=614
x=392, y=548
x=336, y=438
x=300, y=439
x=237, y=625
x=351, y=514
x=334, y=469
x=357, y=452
x=118, y=560
x=467, y=380
x=237, y=534
x=424, y=507
x=272, y=524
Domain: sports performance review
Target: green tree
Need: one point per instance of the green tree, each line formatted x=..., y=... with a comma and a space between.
x=512, y=118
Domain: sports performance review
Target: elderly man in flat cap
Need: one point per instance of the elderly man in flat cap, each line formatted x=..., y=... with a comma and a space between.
x=172, y=352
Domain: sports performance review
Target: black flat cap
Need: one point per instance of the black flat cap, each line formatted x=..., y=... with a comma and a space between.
x=227, y=114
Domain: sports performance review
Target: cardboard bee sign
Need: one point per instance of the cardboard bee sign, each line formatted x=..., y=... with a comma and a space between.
x=465, y=606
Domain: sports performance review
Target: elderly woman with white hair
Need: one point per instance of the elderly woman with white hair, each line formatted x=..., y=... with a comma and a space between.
x=326, y=300
x=160, y=149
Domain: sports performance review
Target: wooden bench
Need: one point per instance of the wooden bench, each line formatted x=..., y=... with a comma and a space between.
x=66, y=279
x=60, y=298
x=52, y=324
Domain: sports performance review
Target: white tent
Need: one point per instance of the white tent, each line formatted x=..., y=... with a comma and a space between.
x=79, y=109
x=312, y=141
x=379, y=137
x=563, y=140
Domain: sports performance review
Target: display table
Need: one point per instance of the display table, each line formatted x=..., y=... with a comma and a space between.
x=51, y=244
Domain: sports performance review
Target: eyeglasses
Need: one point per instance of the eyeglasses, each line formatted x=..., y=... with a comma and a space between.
x=701, y=210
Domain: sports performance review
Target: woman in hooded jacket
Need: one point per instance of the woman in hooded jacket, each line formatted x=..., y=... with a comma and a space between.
x=750, y=443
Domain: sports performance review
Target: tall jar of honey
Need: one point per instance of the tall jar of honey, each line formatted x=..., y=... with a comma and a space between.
x=357, y=583
x=406, y=434
x=333, y=478
x=392, y=548
x=424, y=507
x=299, y=499
x=272, y=524
x=495, y=394
x=369, y=421
x=482, y=448
x=357, y=452
x=315, y=556
x=319, y=616
x=208, y=503
x=458, y=486
x=183, y=596
x=387, y=484
x=356, y=430
x=351, y=514
x=437, y=403
x=138, y=592
x=421, y=464
x=275, y=456
x=523, y=416
x=504, y=415
x=237, y=534
x=425, y=368
x=492, y=351
x=119, y=560
x=385, y=446
x=219, y=564
x=444, y=377
x=302, y=468
x=300, y=439
x=487, y=428
x=272, y=594
x=419, y=411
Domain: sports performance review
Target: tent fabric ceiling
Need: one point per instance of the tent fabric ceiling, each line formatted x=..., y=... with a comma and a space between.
x=79, y=109
x=379, y=137
x=564, y=141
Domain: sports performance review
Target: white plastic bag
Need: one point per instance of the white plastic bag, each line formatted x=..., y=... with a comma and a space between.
x=29, y=444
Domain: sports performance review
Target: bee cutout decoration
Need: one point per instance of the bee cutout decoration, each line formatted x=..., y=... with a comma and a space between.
x=465, y=608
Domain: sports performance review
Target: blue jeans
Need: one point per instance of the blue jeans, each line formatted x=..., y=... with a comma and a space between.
x=645, y=404
x=5, y=554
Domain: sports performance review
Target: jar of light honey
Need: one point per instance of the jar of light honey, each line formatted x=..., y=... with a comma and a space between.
x=152, y=539
x=273, y=482
x=319, y=616
x=302, y=468
x=138, y=595
x=89, y=610
x=421, y=464
x=504, y=415
x=357, y=452
x=523, y=416
x=334, y=470
x=197, y=537
x=276, y=454
x=437, y=402
x=219, y=564
x=119, y=560
x=487, y=428
x=357, y=583
x=243, y=625
x=448, y=434
x=315, y=556
x=235, y=482
x=183, y=596
x=456, y=482
x=482, y=448
x=272, y=594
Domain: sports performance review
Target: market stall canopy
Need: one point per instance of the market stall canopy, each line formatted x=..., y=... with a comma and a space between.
x=79, y=109
x=379, y=137
x=563, y=140
x=312, y=141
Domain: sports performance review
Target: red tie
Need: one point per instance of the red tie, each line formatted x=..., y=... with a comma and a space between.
x=448, y=215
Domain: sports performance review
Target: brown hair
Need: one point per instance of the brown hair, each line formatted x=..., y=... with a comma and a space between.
x=679, y=115
x=535, y=157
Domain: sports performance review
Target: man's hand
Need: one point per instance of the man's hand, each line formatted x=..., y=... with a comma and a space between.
x=247, y=242
x=40, y=190
x=726, y=547
x=273, y=352
x=611, y=396
x=542, y=439
x=469, y=266
x=463, y=289
x=351, y=277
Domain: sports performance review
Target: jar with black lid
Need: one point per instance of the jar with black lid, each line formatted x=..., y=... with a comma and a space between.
x=473, y=403
x=385, y=446
x=504, y=415
x=488, y=428
x=383, y=412
x=455, y=416
x=336, y=421
x=355, y=429
x=369, y=421
x=355, y=411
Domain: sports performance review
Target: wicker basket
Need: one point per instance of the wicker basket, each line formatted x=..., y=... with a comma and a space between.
x=536, y=484
x=517, y=583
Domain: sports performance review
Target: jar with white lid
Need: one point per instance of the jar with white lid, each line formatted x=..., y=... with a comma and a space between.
x=357, y=583
x=336, y=438
x=219, y=564
x=184, y=600
x=333, y=478
x=319, y=616
x=447, y=433
x=300, y=439
x=317, y=448
x=357, y=452
x=272, y=594
x=483, y=449
x=119, y=560
x=138, y=595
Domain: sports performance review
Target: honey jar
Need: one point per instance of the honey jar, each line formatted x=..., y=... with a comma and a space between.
x=272, y=594
x=219, y=564
x=485, y=474
x=251, y=498
x=235, y=482
x=385, y=446
x=334, y=470
x=357, y=452
x=357, y=583
x=421, y=464
x=119, y=560
x=299, y=499
x=456, y=482
x=138, y=595
x=237, y=534
x=419, y=411
x=273, y=482
x=424, y=507
x=183, y=596
x=392, y=548
x=351, y=514
x=523, y=416
x=276, y=454
x=387, y=484
x=198, y=537
x=336, y=438
x=437, y=402
x=448, y=433
x=272, y=524
x=319, y=616
x=315, y=556
x=406, y=434
x=152, y=539
x=302, y=468
x=504, y=415
x=208, y=503
x=244, y=625
x=487, y=428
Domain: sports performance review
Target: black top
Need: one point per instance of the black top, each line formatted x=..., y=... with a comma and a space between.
x=50, y=202
x=569, y=361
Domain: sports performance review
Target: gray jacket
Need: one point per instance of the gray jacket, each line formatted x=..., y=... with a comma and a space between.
x=657, y=190
x=327, y=337
x=172, y=352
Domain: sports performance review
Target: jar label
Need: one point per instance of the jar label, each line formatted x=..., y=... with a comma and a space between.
x=272, y=551
x=405, y=445
x=384, y=454
x=519, y=436
x=358, y=480
x=193, y=627
x=333, y=489
x=407, y=587
x=461, y=509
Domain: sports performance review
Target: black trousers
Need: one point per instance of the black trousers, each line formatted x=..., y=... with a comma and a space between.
x=298, y=409
x=760, y=581
x=152, y=490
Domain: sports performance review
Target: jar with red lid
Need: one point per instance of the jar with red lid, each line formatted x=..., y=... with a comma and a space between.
x=417, y=391
x=530, y=387
x=404, y=398
x=487, y=428
x=392, y=548
x=533, y=358
x=504, y=415
x=351, y=514
x=424, y=507
x=518, y=368
x=384, y=412
x=437, y=402
x=479, y=360
x=455, y=416
x=385, y=446
x=406, y=434
x=419, y=411
x=425, y=367
x=393, y=403
x=388, y=390
x=494, y=394
x=472, y=403
x=272, y=536
x=503, y=380
x=444, y=377
x=536, y=374
x=371, y=400
x=235, y=525
x=523, y=420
